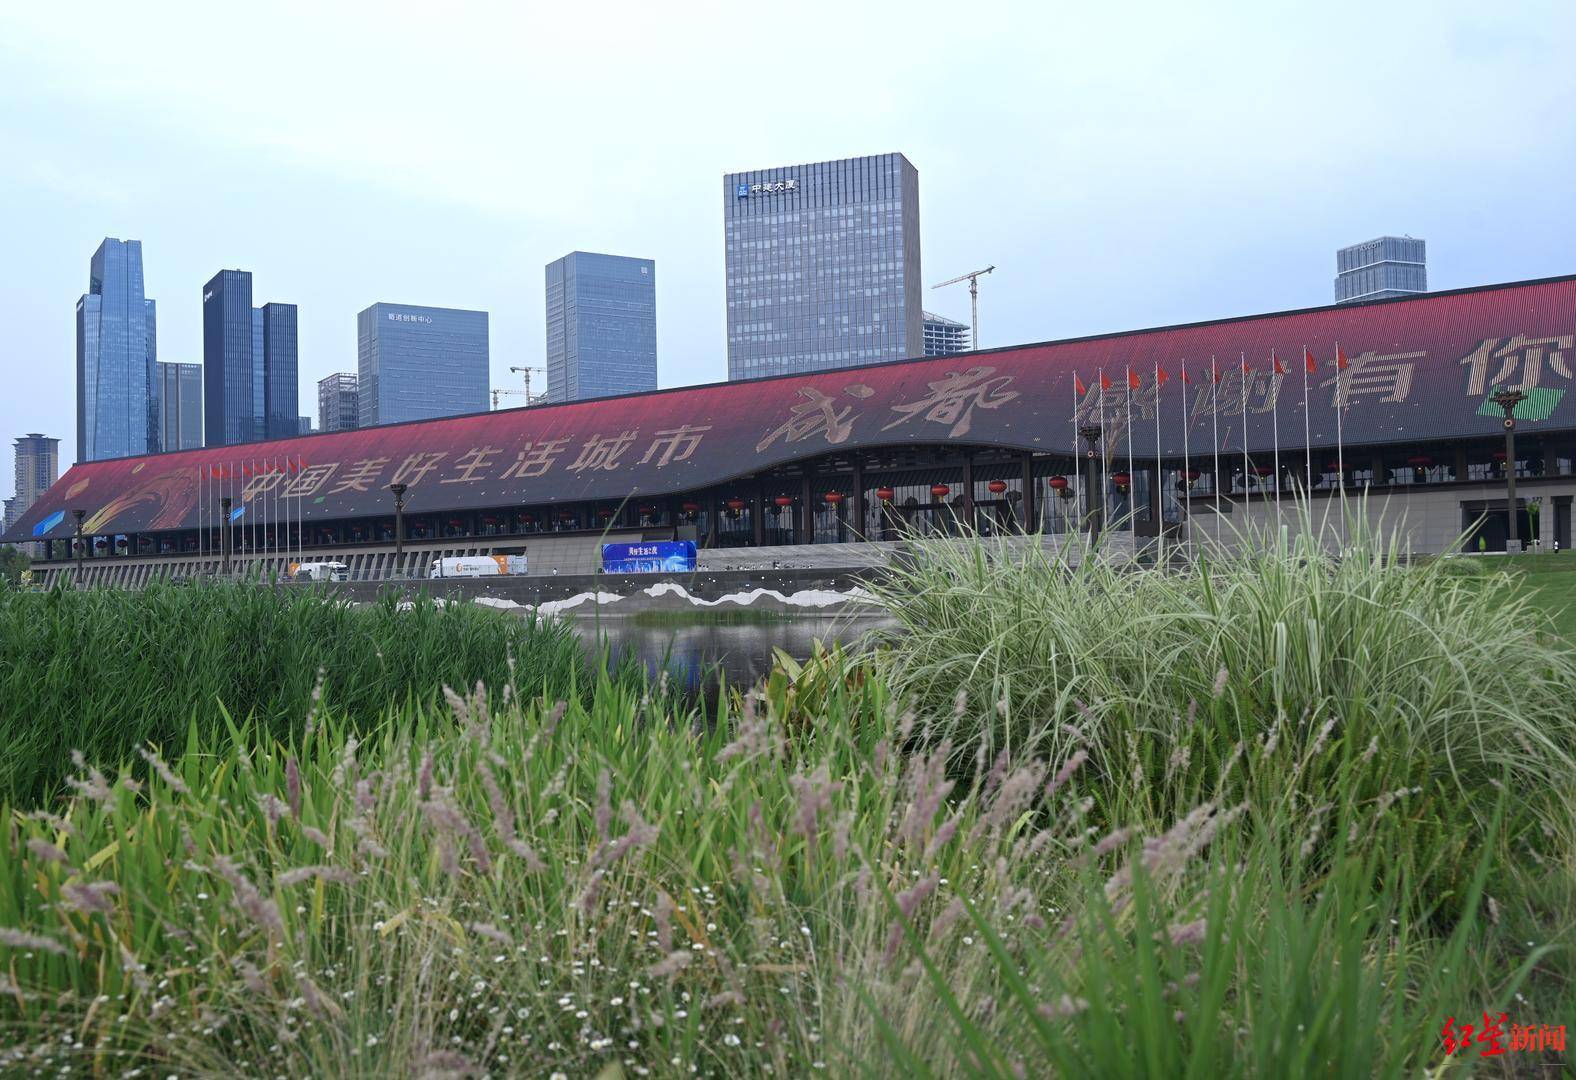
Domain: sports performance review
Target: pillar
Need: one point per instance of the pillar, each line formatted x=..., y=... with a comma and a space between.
x=856, y=500
x=968, y=490
x=758, y=515
x=1031, y=497
x=806, y=510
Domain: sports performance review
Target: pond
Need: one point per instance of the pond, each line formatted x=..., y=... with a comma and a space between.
x=700, y=653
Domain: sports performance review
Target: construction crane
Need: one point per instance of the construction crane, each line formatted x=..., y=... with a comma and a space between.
x=973, y=278
x=530, y=397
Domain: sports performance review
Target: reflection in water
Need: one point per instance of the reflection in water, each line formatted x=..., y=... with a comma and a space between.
x=738, y=654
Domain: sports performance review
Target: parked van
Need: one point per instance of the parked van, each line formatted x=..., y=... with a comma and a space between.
x=478, y=566
x=319, y=571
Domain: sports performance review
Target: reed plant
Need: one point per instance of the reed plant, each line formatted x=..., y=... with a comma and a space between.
x=105, y=671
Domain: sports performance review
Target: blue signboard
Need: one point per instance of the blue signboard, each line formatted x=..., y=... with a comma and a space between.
x=656, y=557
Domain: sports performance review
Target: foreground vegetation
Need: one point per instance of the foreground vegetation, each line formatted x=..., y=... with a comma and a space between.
x=103, y=672
x=1271, y=818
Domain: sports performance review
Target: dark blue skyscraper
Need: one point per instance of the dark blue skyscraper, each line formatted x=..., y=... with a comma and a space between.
x=117, y=392
x=281, y=392
x=259, y=386
x=420, y=362
x=601, y=326
x=227, y=359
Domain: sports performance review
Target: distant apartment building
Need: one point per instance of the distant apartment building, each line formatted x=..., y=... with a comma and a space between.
x=37, y=464
x=117, y=401
x=1377, y=269
x=303, y=425
x=944, y=336
x=601, y=326
x=337, y=407
x=822, y=265
x=180, y=405
x=416, y=363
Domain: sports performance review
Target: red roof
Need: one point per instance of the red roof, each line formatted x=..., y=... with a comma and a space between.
x=1420, y=369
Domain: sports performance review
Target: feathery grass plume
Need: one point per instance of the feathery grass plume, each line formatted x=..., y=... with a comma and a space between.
x=173, y=782
x=490, y=932
x=1073, y=763
x=928, y=787
x=13, y=938
x=262, y=911
x=296, y=875
x=273, y=809
x=90, y=897
x=293, y=785
x=317, y=836
x=316, y=700
x=1188, y=933
x=907, y=903
x=251, y=978
x=93, y=785
x=53, y=822
x=815, y=793
x=1063, y=1007
x=43, y=849
x=604, y=804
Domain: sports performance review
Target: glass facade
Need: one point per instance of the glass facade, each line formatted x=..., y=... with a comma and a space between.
x=601, y=326
x=944, y=336
x=337, y=408
x=822, y=265
x=180, y=406
x=417, y=363
x=117, y=399
x=281, y=389
x=1388, y=266
x=229, y=334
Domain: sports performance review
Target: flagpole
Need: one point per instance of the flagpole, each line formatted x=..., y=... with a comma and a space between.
x=1307, y=436
x=1159, y=483
x=1214, y=423
x=1275, y=429
x=1105, y=451
x=1132, y=477
x=1187, y=490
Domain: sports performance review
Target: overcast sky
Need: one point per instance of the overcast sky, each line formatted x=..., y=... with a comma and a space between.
x=1138, y=165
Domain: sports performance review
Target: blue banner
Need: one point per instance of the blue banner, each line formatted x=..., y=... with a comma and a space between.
x=656, y=557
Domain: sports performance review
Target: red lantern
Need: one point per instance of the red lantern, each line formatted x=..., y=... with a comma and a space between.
x=604, y=513
x=1057, y=483
x=833, y=497
x=456, y=522
x=566, y=515
x=528, y=519
x=939, y=491
x=996, y=487
x=885, y=494
x=1191, y=475
x=1264, y=470
x=1420, y=461
x=735, y=505
x=783, y=501
x=1121, y=480
x=1499, y=455
x=691, y=508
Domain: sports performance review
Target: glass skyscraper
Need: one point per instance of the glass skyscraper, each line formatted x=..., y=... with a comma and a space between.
x=1388, y=266
x=180, y=406
x=601, y=326
x=416, y=363
x=117, y=399
x=822, y=265
x=229, y=332
x=281, y=389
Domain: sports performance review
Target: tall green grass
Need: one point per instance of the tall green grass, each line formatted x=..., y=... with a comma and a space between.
x=105, y=671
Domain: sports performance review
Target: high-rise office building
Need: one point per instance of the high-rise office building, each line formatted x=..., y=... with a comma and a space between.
x=117, y=401
x=944, y=336
x=281, y=388
x=822, y=265
x=303, y=425
x=337, y=407
x=420, y=362
x=601, y=326
x=1388, y=266
x=229, y=333
x=180, y=406
x=37, y=462
x=259, y=409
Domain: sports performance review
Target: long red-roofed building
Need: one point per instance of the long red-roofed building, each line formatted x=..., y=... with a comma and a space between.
x=1183, y=429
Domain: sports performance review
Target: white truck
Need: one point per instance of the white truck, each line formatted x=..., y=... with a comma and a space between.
x=478, y=566
x=319, y=571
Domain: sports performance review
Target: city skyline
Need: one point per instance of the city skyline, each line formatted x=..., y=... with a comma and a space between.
x=336, y=213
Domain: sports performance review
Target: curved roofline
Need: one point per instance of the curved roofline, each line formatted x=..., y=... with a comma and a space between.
x=1107, y=336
